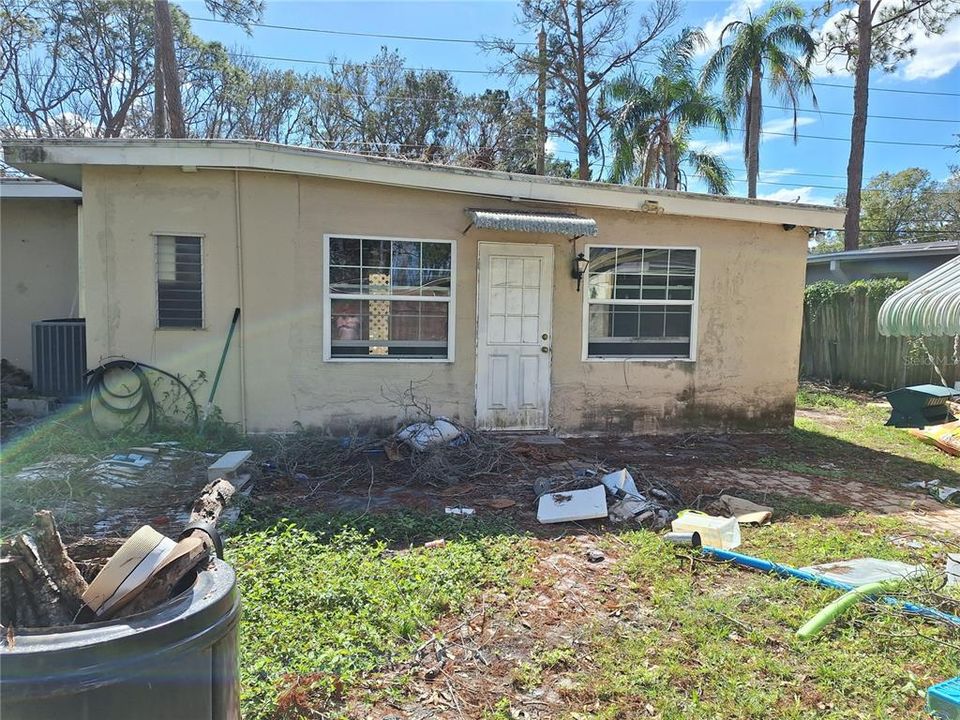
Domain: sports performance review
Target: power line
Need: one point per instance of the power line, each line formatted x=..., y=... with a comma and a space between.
x=782, y=174
x=323, y=31
x=331, y=63
x=846, y=140
x=890, y=90
x=828, y=187
x=816, y=111
x=474, y=41
x=418, y=98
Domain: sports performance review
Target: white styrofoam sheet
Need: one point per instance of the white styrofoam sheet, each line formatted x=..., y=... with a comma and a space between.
x=861, y=571
x=572, y=505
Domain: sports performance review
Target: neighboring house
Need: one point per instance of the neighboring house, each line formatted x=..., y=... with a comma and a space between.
x=38, y=255
x=361, y=279
x=903, y=262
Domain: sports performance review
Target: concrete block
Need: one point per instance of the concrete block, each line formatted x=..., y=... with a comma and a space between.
x=35, y=407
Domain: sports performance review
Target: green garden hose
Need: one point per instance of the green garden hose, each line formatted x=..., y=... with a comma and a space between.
x=839, y=606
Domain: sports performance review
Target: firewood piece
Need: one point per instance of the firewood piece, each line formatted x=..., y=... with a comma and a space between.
x=18, y=606
x=212, y=501
x=161, y=586
x=57, y=563
x=50, y=611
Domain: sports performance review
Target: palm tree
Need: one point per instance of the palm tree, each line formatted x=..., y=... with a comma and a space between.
x=651, y=132
x=774, y=46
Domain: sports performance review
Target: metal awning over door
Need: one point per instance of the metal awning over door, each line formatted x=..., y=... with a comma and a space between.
x=566, y=224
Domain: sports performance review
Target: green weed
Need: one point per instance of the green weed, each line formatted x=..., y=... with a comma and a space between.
x=719, y=640
x=341, y=603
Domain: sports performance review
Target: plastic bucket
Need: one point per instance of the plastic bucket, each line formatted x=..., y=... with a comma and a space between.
x=176, y=662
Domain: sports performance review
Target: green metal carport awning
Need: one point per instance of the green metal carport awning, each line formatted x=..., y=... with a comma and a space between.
x=930, y=305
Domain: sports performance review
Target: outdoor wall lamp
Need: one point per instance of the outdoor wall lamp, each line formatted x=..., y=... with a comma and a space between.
x=579, y=267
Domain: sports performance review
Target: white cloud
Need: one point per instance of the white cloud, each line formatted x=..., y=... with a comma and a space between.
x=772, y=175
x=722, y=148
x=550, y=146
x=782, y=125
x=798, y=194
x=738, y=10
x=835, y=64
x=734, y=148
x=936, y=56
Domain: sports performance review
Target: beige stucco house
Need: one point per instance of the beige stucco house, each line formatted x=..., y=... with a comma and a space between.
x=38, y=260
x=360, y=279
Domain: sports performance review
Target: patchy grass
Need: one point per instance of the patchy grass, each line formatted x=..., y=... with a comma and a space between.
x=325, y=603
x=70, y=438
x=335, y=606
x=846, y=437
x=718, y=641
x=70, y=433
x=817, y=398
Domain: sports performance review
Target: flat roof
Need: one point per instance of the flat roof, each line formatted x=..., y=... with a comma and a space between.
x=939, y=247
x=61, y=160
x=29, y=187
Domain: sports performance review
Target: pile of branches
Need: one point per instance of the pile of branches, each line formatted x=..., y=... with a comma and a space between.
x=478, y=455
x=311, y=456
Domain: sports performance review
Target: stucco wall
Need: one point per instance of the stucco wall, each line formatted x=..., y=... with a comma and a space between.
x=38, y=255
x=749, y=309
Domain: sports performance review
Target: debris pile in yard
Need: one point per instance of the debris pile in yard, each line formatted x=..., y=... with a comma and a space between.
x=14, y=381
x=945, y=438
x=592, y=493
x=46, y=583
x=937, y=490
x=111, y=495
x=443, y=452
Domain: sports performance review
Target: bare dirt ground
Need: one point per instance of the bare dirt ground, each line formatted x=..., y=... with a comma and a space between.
x=699, y=467
x=475, y=660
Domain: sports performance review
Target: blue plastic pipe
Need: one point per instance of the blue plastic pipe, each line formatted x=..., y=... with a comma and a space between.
x=787, y=571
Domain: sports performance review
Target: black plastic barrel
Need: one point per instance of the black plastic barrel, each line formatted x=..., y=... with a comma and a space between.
x=176, y=662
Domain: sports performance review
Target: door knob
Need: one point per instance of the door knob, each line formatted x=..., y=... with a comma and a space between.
x=544, y=349
x=544, y=336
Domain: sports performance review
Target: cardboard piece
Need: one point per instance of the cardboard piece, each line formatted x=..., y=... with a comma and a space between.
x=143, y=555
x=746, y=512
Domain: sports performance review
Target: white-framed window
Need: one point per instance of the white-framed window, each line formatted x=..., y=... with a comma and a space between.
x=388, y=298
x=179, y=281
x=640, y=303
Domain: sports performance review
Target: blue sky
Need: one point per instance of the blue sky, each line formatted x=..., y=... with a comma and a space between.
x=812, y=170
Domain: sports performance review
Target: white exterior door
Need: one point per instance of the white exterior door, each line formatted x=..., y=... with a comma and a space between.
x=514, y=335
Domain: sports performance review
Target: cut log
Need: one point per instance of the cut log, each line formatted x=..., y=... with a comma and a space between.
x=61, y=570
x=18, y=606
x=50, y=611
x=94, y=549
x=212, y=501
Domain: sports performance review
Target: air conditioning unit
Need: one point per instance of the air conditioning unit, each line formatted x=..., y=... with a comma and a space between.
x=59, y=357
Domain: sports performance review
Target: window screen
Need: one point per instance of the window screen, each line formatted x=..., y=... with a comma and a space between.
x=389, y=298
x=179, y=282
x=640, y=302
